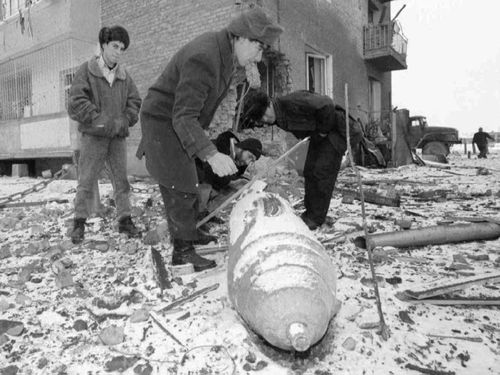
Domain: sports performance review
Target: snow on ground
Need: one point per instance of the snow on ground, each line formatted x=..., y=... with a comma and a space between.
x=92, y=308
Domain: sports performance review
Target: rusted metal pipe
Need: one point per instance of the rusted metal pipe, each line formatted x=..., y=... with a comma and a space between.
x=435, y=235
x=280, y=279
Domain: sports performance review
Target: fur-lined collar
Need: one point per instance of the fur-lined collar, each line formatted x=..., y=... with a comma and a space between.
x=94, y=68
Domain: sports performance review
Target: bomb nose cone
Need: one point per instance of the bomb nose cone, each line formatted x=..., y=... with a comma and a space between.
x=299, y=336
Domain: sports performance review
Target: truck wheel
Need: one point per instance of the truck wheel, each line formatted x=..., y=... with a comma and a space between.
x=435, y=148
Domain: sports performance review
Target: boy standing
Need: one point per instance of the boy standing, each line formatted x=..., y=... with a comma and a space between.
x=105, y=102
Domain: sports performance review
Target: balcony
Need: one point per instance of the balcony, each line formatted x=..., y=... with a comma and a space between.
x=27, y=25
x=384, y=46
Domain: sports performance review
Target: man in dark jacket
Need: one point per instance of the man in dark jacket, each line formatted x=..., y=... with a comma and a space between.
x=180, y=106
x=105, y=102
x=243, y=153
x=481, y=140
x=309, y=114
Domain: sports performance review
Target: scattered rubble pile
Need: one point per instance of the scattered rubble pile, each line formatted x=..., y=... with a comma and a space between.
x=99, y=307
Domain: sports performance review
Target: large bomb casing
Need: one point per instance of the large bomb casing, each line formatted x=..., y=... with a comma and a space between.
x=280, y=279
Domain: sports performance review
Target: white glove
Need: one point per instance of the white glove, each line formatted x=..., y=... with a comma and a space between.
x=222, y=164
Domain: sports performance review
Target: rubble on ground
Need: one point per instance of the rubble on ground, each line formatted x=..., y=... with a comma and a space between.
x=97, y=307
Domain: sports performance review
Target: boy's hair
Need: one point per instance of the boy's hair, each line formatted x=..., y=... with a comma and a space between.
x=255, y=105
x=109, y=34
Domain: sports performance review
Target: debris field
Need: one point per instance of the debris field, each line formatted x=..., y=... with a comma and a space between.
x=98, y=307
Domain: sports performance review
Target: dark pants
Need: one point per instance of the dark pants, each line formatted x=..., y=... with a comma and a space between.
x=94, y=151
x=320, y=172
x=182, y=211
x=483, y=150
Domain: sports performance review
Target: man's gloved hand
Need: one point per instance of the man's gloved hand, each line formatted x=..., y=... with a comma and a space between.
x=222, y=164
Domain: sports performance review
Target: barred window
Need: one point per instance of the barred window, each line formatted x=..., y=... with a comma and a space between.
x=66, y=79
x=38, y=83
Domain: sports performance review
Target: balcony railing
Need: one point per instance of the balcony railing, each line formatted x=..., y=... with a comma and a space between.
x=13, y=7
x=385, y=45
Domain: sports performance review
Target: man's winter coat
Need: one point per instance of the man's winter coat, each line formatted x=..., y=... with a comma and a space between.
x=180, y=105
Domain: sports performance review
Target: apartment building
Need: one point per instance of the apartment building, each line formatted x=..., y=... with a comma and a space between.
x=327, y=44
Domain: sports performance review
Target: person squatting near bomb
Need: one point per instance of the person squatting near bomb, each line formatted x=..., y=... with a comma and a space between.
x=210, y=185
x=178, y=108
x=308, y=114
x=105, y=102
x=242, y=152
x=480, y=138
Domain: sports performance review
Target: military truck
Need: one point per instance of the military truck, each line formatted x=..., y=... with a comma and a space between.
x=434, y=140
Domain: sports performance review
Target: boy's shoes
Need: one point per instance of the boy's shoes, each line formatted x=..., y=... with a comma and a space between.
x=78, y=231
x=184, y=253
x=126, y=225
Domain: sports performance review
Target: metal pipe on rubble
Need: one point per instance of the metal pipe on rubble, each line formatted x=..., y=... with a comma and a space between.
x=280, y=279
x=435, y=235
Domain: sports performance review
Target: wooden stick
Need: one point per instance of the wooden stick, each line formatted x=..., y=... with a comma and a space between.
x=473, y=219
x=391, y=181
x=204, y=250
x=164, y=329
x=428, y=371
x=37, y=203
x=437, y=288
x=191, y=297
x=466, y=338
x=452, y=301
x=434, y=164
x=384, y=329
x=249, y=183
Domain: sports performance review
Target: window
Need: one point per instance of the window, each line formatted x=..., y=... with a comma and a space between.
x=16, y=95
x=66, y=79
x=319, y=72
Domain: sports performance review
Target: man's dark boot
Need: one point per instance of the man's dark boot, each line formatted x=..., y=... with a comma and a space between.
x=311, y=224
x=78, y=231
x=125, y=225
x=184, y=253
x=204, y=238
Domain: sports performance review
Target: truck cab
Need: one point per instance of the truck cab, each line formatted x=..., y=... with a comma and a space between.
x=435, y=140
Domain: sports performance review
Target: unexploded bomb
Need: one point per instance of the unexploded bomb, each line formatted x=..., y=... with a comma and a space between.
x=280, y=279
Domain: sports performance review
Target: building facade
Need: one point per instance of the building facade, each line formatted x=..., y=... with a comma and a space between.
x=327, y=44
x=41, y=44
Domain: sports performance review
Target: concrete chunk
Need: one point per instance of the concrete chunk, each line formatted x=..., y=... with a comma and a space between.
x=19, y=170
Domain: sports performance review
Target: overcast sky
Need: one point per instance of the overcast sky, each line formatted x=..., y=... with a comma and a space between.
x=453, y=74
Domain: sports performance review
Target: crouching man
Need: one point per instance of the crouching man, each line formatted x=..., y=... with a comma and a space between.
x=243, y=154
x=309, y=114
